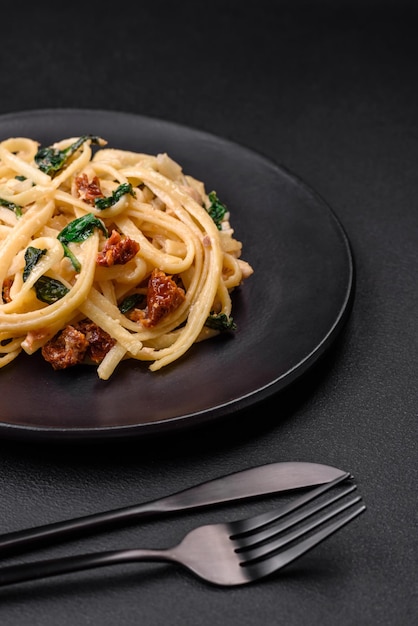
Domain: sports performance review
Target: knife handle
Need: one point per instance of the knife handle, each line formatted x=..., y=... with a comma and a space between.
x=38, y=536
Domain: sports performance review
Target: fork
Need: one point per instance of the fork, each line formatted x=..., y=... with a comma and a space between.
x=226, y=554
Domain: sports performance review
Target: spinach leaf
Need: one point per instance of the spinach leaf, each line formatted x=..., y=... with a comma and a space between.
x=52, y=160
x=216, y=209
x=105, y=203
x=32, y=256
x=12, y=206
x=49, y=289
x=221, y=322
x=131, y=302
x=78, y=230
x=81, y=229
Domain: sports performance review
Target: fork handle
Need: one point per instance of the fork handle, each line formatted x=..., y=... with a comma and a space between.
x=53, y=567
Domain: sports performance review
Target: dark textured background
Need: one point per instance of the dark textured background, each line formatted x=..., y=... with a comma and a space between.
x=329, y=89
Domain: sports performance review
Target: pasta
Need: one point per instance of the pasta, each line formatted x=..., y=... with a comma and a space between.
x=107, y=255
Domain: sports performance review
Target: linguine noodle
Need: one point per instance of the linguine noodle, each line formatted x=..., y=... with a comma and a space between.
x=107, y=255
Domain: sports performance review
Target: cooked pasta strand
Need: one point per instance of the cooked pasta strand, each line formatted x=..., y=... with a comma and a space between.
x=108, y=255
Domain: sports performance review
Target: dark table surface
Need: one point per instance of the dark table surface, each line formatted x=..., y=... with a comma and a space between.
x=329, y=90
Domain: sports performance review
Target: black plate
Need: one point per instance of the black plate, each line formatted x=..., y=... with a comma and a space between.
x=287, y=313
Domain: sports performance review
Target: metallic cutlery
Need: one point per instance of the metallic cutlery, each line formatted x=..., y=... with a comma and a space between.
x=232, y=553
x=250, y=483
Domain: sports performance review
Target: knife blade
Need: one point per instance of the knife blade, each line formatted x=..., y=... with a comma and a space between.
x=249, y=483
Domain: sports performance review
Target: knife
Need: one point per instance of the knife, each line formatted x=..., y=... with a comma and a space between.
x=250, y=483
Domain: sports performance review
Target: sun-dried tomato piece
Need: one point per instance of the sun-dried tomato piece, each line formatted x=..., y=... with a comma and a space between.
x=66, y=349
x=99, y=341
x=7, y=284
x=87, y=190
x=163, y=297
x=117, y=250
x=76, y=343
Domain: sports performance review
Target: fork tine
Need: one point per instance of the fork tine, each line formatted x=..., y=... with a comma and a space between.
x=253, y=524
x=250, y=553
x=291, y=519
x=266, y=566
